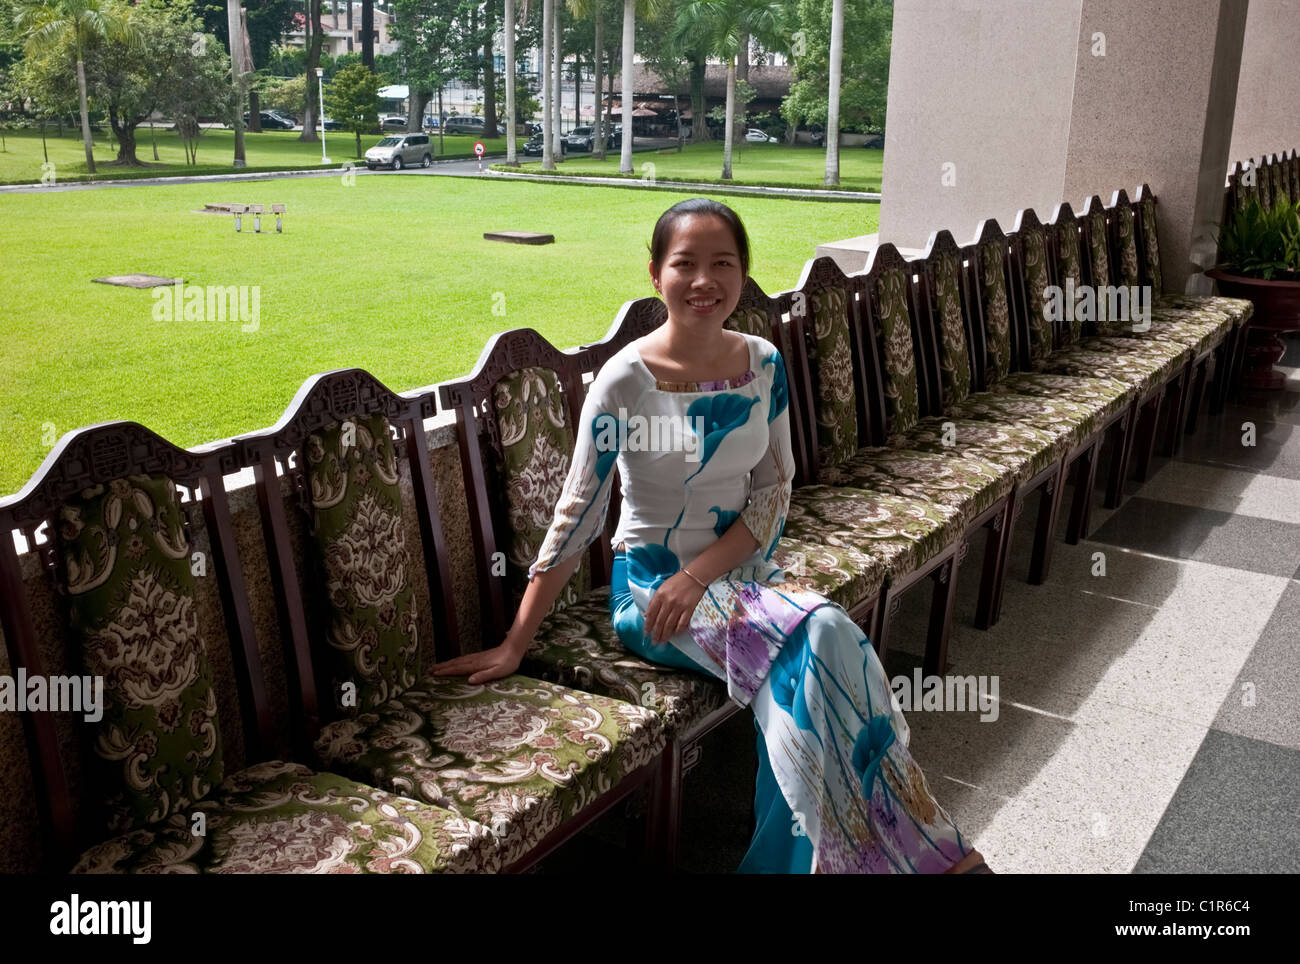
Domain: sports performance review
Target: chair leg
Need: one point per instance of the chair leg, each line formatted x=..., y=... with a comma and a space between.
x=667, y=812
x=1049, y=503
x=1198, y=395
x=1148, y=429
x=994, y=570
x=1015, y=504
x=1173, y=439
x=1222, y=366
x=1085, y=483
x=941, y=604
x=881, y=623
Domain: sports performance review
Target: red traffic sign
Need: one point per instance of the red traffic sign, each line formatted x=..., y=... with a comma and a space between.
x=478, y=148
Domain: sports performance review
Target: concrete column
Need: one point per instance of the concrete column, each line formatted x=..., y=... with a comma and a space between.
x=1000, y=105
x=1267, y=120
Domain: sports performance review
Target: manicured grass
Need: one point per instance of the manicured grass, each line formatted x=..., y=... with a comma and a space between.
x=391, y=274
x=23, y=158
x=773, y=165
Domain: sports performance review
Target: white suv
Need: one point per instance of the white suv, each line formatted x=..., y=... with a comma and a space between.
x=400, y=150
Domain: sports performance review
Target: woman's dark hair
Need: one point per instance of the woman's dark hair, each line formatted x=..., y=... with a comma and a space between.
x=667, y=223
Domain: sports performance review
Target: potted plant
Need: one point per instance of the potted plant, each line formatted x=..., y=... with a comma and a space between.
x=1259, y=259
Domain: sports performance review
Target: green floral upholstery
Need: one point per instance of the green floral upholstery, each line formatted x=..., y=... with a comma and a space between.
x=1142, y=373
x=894, y=327
x=1182, y=328
x=844, y=575
x=902, y=534
x=1126, y=231
x=1099, y=260
x=1071, y=422
x=997, y=311
x=537, y=443
x=967, y=486
x=577, y=647
x=1034, y=247
x=360, y=539
x=1234, y=312
x=280, y=818
x=837, y=413
x=954, y=354
x=1019, y=449
x=520, y=755
x=1151, y=245
x=1071, y=275
x=132, y=608
x=1106, y=395
x=1171, y=356
x=750, y=321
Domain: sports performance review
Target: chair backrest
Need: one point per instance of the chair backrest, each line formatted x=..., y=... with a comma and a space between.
x=349, y=614
x=1149, y=239
x=943, y=290
x=1066, y=252
x=1102, y=272
x=515, y=422
x=828, y=358
x=899, y=379
x=1031, y=267
x=994, y=302
x=1128, y=263
x=104, y=516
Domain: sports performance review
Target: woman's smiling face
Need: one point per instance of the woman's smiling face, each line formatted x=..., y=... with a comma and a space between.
x=701, y=276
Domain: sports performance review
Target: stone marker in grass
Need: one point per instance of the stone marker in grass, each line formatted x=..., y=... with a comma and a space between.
x=137, y=280
x=519, y=237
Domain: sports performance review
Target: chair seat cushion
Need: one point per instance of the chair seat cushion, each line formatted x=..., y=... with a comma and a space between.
x=1021, y=449
x=845, y=575
x=1073, y=421
x=967, y=486
x=1236, y=310
x=1142, y=372
x=520, y=755
x=578, y=647
x=279, y=818
x=1109, y=395
x=902, y=534
x=1171, y=356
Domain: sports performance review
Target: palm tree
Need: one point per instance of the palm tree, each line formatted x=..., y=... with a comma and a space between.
x=509, y=28
x=652, y=9
x=548, y=16
x=49, y=24
x=594, y=10
x=832, y=178
x=722, y=24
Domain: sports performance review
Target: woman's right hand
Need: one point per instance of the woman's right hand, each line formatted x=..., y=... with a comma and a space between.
x=484, y=666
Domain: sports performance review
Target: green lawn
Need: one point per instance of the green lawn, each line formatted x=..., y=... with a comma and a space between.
x=23, y=158
x=767, y=164
x=390, y=274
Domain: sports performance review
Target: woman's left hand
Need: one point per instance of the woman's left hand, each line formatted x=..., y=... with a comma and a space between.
x=671, y=607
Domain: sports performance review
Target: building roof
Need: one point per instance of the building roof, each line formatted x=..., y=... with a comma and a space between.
x=768, y=81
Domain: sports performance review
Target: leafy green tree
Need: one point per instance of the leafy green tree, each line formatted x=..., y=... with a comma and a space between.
x=199, y=87
x=722, y=24
x=284, y=95
x=865, y=67
x=353, y=100
x=80, y=24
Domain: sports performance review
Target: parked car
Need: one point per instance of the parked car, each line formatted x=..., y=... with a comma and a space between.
x=584, y=139
x=874, y=140
x=272, y=121
x=533, y=146
x=431, y=123
x=400, y=150
x=392, y=122
x=331, y=124
x=755, y=136
x=470, y=125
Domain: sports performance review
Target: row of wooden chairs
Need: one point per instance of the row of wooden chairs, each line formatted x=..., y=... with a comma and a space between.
x=1274, y=176
x=930, y=400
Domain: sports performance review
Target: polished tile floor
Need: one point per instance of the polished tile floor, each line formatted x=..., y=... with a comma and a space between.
x=1149, y=692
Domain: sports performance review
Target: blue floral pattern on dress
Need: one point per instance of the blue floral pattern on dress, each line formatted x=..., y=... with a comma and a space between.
x=725, y=518
x=780, y=387
x=650, y=566
x=721, y=414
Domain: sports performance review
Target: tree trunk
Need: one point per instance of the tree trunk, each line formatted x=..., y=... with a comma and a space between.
x=609, y=102
x=442, y=149
x=512, y=158
x=310, y=118
x=597, y=122
x=368, y=33
x=557, y=62
x=358, y=133
x=677, y=109
x=124, y=131
x=832, y=178
x=254, y=113
x=699, y=103
x=548, y=14
x=629, y=43
x=728, y=131
x=85, y=116
x=415, y=116
x=489, y=76
x=234, y=24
